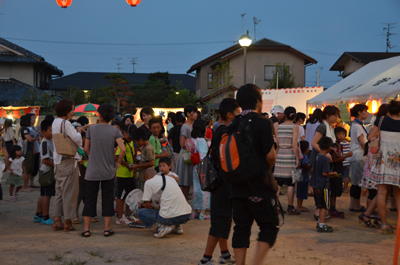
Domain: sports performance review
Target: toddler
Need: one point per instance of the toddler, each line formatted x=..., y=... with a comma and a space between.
x=17, y=171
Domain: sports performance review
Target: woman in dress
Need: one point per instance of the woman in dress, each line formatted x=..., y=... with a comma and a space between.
x=358, y=135
x=287, y=158
x=183, y=170
x=385, y=170
x=201, y=199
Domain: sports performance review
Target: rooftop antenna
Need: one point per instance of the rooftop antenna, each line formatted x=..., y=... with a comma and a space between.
x=243, y=21
x=118, y=64
x=256, y=21
x=388, y=27
x=133, y=62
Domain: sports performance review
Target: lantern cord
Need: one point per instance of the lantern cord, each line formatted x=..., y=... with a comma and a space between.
x=122, y=44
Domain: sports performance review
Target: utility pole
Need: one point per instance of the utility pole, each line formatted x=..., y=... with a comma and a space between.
x=119, y=64
x=243, y=21
x=320, y=68
x=388, y=27
x=134, y=62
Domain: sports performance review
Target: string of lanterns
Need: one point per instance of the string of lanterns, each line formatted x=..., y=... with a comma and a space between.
x=67, y=3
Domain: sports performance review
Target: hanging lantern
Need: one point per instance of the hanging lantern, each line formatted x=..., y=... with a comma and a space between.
x=311, y=110
x=373, y=106
x=133, y=2
x=64, y=3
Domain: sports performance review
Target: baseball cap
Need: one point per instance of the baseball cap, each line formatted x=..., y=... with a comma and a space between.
x=130, y=129
x=277, y=109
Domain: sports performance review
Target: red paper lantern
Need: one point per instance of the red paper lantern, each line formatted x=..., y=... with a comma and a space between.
x=133, y=2
x=64, y=3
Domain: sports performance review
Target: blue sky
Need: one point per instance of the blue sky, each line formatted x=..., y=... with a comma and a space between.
x=173, y=35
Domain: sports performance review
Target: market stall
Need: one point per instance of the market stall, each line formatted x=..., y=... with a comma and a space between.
x=376, y=83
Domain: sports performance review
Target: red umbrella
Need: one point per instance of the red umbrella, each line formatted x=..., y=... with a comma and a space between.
x=87, y=109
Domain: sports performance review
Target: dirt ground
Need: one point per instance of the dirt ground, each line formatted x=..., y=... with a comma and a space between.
x=24, y=242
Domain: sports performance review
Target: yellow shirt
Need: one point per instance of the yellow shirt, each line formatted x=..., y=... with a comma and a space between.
x=123, y=171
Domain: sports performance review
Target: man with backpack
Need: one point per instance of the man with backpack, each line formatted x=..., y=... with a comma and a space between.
x=246, y=156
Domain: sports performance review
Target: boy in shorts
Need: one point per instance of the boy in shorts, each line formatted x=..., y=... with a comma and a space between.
x=155, y=125
x=125, y=180
x=46, y=167
x=320, y=182
x=147, y=156
x=337, y=166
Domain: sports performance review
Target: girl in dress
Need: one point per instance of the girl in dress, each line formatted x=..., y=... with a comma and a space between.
x=17, y=169
x=201, y=199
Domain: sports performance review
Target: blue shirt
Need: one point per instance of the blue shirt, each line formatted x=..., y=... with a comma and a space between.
x=322, y=165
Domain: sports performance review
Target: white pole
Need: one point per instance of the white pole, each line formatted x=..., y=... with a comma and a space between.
x=277, y=80
x=318, y=77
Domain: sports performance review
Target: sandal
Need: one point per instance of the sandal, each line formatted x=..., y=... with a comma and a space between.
x=368, y=222
x=94, y=220
x=76, y=221
x=361, y=210
x=86, y=233
x=386, y=229
x=378, y=221
x=108, y=233
x=292, y=211
x=304, y=210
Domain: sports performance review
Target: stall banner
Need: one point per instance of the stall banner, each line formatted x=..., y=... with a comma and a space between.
x=17, y=112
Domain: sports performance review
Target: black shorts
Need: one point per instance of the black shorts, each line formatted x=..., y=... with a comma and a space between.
x=125, y=185
x=245, y=212
x=288, y=183
x=336, y=187
x=221, y=212
x=321, y=197
x=49, y=190
x=92, y=193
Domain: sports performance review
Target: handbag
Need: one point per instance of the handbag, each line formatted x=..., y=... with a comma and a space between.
x=207, y=173
x=63, y=144
x=297, y=175
x=195, y=158
x=47, y=178
x=376, y=142
x=186, y=157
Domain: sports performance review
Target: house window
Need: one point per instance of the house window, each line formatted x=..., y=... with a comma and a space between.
x=210, y=79
x=269, y=72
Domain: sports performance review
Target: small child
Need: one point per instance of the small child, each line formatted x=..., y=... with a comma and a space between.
x=165, y=168
x=147, y=156
x=125, y=180
x=17, y=171
x=337, y=166
x=346, y=165
x=155, y=125
x=320, y=182
x=302, y=186
x=46, y=168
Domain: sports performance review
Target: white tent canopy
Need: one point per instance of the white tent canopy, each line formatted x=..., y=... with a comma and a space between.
x=376, y=80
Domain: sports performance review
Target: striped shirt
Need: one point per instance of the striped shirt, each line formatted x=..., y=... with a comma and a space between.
x=346, y=149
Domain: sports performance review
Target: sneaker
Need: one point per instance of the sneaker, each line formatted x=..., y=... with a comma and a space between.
x=195, y=215
x=47, y=222
x=229, y=261
x=137, y=225
x=123, y=220
x=37, y=219
x=12, y=199
x=325, y=229
x=165, y=230
x=132, y=218
x=336, y=214
x=204, y=217
x=207, y=263
x=16, y=196
x=178, y=230
x=157, y=228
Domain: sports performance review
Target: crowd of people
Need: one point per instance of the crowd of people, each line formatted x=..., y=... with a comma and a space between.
x=148, y=175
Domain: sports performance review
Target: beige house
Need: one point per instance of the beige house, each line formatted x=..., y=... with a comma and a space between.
x=349, y=62
x=261, y=59
x=21, y=70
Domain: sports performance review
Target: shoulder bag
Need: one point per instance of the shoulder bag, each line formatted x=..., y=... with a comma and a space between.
x=376, y=142
x=63, y=144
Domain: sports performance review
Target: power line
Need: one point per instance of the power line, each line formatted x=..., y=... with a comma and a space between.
x=121, y=44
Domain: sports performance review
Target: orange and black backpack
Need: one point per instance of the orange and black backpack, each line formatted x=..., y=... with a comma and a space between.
x=238, y=159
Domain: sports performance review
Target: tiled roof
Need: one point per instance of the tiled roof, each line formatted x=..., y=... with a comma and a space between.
x=26, y=57
x=263, y=44
x=88, y=80
x=12, y=91
x=361, y=57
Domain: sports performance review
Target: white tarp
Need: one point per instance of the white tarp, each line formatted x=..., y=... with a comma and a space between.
x=379, y=79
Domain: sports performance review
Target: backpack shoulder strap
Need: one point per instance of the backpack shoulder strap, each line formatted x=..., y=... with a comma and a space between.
x=164, y=182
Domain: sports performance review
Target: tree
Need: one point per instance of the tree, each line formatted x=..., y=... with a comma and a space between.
x=222, y=76
x=285, y=78
x=180, y=97
x=74, y=94
x=44, y=100
x=98, y=96
x=119, y=90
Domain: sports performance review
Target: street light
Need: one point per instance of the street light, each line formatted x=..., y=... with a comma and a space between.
x=245, y=42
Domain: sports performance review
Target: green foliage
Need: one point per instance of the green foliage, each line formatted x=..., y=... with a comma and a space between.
x=180, y=97
x=118, y=91
x=74, y=94
x=222, y=76
x=160, y=76
x=98, y=96
x=44, y=100
x=285, y=78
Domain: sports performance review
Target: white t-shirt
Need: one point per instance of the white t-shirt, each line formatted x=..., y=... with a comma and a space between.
x=71, y=133
x=301, y=133
x=16, y=165
x=173, y=203
x=310, y=132
x=355, y=147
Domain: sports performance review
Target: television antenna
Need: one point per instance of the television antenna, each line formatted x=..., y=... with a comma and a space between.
x=243, y=21
x=388, y=27
x=134, y=62
x=256, y=21
x=118, y=64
